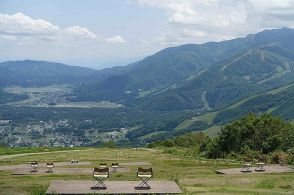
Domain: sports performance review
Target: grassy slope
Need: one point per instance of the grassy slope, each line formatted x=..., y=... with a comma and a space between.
x=245, y=74
x=209, y=117
x=193, y=176
x=212, y=131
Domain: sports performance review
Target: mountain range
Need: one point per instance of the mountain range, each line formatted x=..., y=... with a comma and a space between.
x=41, y=73
x=207, y=76
x=220, y=79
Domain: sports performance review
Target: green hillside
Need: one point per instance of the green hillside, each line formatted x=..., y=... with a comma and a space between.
x=177, y=90
x=245, y=74
x=9, y=97
x=154, y=72
x=278, y=101
x=41, y=73
x=205, y=76
x=250, y=136
x=228, y=89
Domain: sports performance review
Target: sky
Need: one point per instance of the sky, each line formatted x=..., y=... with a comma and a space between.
x=105, y=33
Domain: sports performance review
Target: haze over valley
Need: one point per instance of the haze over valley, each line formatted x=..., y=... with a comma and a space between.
x=192, y=87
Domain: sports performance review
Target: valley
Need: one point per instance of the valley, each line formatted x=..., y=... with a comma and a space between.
x=188, y=88
x=53, y=134
x=53, y=96
x=65, y=126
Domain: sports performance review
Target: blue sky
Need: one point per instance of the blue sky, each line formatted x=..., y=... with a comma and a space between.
x=104, y=33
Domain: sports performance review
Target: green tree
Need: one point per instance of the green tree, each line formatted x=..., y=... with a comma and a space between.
x=263, y=133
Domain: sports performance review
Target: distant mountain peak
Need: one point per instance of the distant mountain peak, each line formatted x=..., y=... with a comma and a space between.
x=42, y=73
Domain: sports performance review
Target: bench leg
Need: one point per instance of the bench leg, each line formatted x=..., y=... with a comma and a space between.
x=246, y=169
x=260, y=168
x=100, y=184
x=144, y=183
x=35, y=169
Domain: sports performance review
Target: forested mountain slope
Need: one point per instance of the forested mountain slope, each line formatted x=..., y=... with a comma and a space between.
x=41, y=73
x=206, y=76
x=250, y=72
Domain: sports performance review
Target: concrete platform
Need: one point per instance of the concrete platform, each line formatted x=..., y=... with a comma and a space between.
x=56, y=164
x=268, y=169
x=60, y=164
x=56, y=170
x=43, y=171
x=119, y=170
x=12, y=167
x=113, y=187
x=136, y=164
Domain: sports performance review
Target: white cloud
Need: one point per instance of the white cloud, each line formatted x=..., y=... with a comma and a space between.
x=216, y=12
x=25, y=30
x=194, y=33
x=198, y=21
x=116, y=39
x=20, y=24
x=8, y=37
x=79, y=32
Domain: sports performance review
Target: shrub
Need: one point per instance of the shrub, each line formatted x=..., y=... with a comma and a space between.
x=263, y=133
x=168, y=143
x=290, y=153
x=39, y=190
x=110, y=144
x=279, y=157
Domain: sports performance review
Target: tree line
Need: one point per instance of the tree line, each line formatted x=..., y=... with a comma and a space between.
x=248, y=137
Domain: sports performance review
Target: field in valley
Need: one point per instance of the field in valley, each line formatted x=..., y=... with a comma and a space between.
x=53, y=96
x=194, y=176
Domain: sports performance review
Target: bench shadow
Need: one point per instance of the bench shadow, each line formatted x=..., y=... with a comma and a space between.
x=142, y=188
x=98, y=188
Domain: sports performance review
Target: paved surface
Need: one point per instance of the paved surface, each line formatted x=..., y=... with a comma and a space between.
x=268, y=169
x=12, y=167
x=62, y=164
x=113, y=187
x=136, y=164
x=119, y=170
x=56, y=164
x=58, y=170
x=43, y=171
